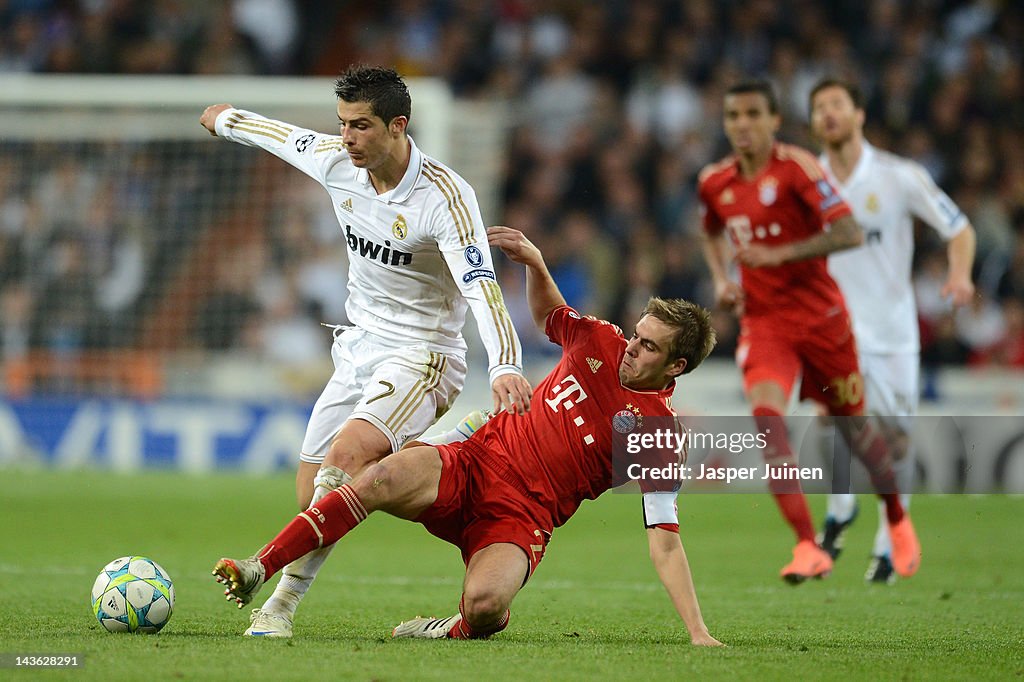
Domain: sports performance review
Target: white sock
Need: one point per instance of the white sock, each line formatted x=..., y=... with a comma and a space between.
x=883, y=544
x=906, y=472
x=453, y=436
x=297, y=576
x=466, y=428
x=841, y=505
x=295, y=580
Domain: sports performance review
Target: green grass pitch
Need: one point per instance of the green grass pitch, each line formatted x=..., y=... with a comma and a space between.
x=594, y=610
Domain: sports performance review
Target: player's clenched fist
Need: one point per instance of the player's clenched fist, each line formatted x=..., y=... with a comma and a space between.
x=209, y=118
x=729, y=296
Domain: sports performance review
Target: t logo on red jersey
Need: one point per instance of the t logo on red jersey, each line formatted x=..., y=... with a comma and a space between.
x=562, y=397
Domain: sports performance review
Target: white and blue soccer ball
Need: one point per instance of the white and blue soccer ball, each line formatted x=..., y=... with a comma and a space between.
x=133, y=594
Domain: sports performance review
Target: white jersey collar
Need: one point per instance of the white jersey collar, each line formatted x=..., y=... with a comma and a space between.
x=867, y=155
x=405, y=186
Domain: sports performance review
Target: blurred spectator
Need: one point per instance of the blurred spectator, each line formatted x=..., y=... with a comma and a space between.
x=273, y=27
x=16, y=307
x=224, y=51
x=66, y=322
x=940, y=346
x=117, y=254
x=231, y=311
x=533, y=339
x=928, y=281
x=1011, y=281
x=598, y=259
x=681, y=275
x=559, y=102
x=980, y=325
x=288, y=335
x=1009, y=352
x=662, y=102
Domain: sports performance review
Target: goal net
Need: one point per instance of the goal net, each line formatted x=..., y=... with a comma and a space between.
x=134, y=246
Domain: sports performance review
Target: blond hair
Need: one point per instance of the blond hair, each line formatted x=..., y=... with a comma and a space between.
x=694, y=337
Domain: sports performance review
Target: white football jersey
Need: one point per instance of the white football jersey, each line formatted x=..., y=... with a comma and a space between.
x=886, y=192
x=417, y=253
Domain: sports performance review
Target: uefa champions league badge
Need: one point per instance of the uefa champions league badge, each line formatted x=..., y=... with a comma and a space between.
x=473, y=256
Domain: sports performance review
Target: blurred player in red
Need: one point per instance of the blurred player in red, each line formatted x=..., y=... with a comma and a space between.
x=782, y=216
x=499, y=495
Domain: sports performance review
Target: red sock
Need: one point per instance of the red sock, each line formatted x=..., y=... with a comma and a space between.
x=788, y=494
x=893, y=507
x=323, y=524
x=869, y=445
x=463, y=630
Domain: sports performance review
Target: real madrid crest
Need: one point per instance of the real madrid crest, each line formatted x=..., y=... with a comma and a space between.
x=768, y=191
x=872, y=203
x=399, y=228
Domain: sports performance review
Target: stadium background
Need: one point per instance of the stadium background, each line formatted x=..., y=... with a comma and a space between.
x=161, y=293
x=140, y=259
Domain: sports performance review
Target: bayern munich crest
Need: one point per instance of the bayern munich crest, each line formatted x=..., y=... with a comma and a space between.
x=624, y=421
x=768, y=191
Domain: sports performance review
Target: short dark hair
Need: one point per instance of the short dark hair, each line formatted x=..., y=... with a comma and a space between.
x=832, y=82
x=760, y=87
x=384, y=90
x=694, y=337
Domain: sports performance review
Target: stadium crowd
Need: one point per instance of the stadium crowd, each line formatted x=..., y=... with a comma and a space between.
x=615, y=106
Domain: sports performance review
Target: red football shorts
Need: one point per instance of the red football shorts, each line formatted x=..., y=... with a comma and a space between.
x=476, y=507
x=824, y=354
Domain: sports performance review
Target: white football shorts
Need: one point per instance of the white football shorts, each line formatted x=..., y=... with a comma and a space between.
x=400, y=389
x=891, y=386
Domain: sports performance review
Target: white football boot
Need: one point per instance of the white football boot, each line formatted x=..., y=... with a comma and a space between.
x=426, y=628
x=473, y=421
x=268, y=624
x=243, y=578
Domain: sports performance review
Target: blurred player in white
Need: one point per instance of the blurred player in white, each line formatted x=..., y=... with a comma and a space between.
x=886, y=193
x=417, y=254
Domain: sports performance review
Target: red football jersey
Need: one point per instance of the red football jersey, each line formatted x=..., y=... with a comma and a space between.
x=561, y=450
x=790, y=200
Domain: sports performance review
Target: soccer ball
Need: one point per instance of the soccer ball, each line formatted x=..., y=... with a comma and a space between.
x=133, y=594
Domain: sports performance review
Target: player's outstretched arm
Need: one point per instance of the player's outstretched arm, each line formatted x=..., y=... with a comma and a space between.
x=669, y=560
x=728, y=294
x=960, y=251
x=843, y=234
x=209, y=118
x=541, y=291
